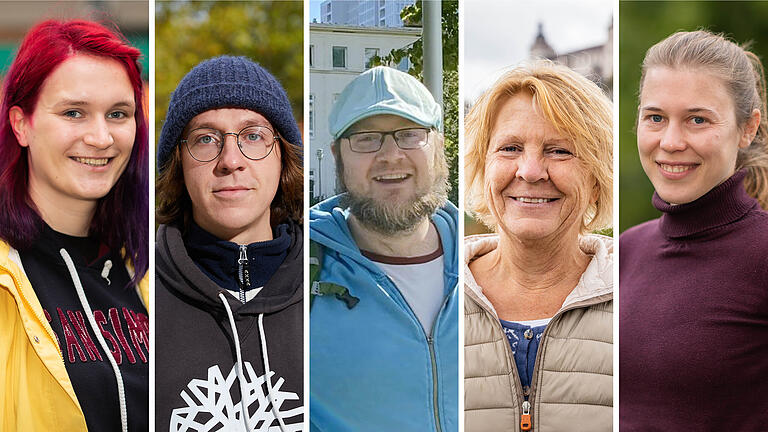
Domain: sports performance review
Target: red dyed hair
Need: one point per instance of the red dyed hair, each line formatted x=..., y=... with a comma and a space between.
x=121, y=218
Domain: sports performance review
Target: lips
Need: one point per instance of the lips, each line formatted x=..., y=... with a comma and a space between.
x=94, y=162
x=231, y=189
x=674, y=171
x=534, y=200
x=675, y=168
x=391, y=177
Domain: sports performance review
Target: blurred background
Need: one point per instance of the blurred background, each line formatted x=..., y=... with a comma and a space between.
x=348, y=37
x=500, y=35
x=270, y=33
x=642, y=24
x=131, y=17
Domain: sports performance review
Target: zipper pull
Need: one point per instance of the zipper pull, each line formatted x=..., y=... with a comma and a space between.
x=525, y=419
x=242, y=272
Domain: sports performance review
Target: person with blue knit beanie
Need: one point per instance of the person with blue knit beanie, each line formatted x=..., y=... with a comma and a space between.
x=229, y=253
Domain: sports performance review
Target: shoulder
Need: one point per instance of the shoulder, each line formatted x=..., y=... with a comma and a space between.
x=639, y=235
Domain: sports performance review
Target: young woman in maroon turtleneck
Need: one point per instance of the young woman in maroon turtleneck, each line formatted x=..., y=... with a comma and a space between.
x=694, y=283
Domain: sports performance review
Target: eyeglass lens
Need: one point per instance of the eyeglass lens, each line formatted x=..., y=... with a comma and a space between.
x=205, y=144
x=406, y=139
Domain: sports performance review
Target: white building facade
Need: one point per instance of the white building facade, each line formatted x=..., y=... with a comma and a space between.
x=337, y=55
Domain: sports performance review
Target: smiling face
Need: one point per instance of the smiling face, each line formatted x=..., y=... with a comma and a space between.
x=80, y=134
x=231, y=195
x=536, y=187
x=687, y=134
x=390, y=174
x=391, y=190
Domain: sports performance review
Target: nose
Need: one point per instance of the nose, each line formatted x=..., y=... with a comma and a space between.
x=532, y=168
x=231, y=158
x=672, y=138
x=389, y=150
x=99, y=135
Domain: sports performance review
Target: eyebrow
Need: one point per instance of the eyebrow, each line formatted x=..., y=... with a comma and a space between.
x=505, y=138
x=77, y=102
x=689, y=110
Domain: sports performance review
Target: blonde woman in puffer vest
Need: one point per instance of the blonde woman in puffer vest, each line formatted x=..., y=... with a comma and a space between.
x=539, y=291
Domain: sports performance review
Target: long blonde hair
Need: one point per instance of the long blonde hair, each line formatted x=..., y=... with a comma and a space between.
x=744, y=77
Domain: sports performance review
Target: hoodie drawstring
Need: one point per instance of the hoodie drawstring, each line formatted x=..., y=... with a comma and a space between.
x=265, y=358
x=97, y=332
x=239, y=368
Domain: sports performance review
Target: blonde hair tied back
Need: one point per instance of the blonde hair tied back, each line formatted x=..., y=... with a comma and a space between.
x=743, y=75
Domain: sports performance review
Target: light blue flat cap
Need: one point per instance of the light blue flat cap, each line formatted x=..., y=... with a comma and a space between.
x=383, y=90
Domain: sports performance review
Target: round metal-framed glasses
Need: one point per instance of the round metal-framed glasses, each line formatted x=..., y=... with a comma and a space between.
x=255, y=142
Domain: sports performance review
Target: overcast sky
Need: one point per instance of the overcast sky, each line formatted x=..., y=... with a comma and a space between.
x=498, y=34
x=314, y=10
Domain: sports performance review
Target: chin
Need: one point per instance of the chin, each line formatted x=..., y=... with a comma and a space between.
x=676, y=197
x=93, y=194
x=238, y=220
x=524, y=231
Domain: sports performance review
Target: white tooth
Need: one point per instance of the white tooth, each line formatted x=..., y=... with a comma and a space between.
x=391, y=177
x=92, y=161
x=533, y=200
x=675, y=168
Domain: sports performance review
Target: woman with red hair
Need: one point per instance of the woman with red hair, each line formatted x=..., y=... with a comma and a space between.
x=74, y=332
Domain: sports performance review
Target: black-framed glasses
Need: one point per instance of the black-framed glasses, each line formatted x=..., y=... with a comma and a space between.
x=371, y=141
x=255, y=142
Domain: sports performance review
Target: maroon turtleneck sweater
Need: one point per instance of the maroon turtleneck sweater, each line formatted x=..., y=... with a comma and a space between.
x=693, y=318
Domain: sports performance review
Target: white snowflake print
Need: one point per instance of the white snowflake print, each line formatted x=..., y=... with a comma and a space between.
x=210, y=405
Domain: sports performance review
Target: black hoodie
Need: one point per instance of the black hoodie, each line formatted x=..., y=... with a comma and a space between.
x=197, y=379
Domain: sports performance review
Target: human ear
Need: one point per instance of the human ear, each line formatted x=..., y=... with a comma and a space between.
x=335, y=151
x=750, y=129
x=18, y=121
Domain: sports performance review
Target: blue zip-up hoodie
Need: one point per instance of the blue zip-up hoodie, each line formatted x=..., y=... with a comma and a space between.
x=373, y=367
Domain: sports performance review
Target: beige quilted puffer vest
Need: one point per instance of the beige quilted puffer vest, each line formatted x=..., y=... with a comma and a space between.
x=572, y=388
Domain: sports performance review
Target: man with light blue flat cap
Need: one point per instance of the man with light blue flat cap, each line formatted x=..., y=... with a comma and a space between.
x=384, y=305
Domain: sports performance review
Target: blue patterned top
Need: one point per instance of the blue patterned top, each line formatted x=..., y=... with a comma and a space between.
x=524, y=341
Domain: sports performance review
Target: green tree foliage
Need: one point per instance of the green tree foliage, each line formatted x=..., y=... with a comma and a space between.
x=269, y=32
x=642, y=25
x=411, y=16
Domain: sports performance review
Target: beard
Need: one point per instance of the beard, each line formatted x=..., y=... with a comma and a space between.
x=393, y=217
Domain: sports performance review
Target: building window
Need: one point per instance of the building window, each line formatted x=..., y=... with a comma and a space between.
x=311, y=115
x=311, y=56
x=369, y=54
x=339, y=57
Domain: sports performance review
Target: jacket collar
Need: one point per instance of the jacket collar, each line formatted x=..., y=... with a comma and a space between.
x=595, y=284
x=328, y=226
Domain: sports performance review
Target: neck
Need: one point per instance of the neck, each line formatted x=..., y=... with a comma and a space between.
x=537, y=266
x=256, y=232
x=422, y=240
x=69, y=216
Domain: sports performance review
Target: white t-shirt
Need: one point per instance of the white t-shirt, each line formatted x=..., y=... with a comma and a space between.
x=420, y=281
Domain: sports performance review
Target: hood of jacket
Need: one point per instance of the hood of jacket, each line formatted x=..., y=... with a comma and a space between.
x=328, y=226
x=377, y=354
x=178, y=272
x=595, y=283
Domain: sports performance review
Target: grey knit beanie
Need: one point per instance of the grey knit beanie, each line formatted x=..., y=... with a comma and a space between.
x=226, y=82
